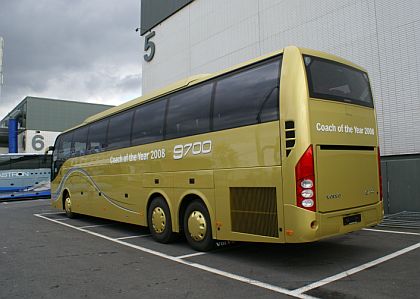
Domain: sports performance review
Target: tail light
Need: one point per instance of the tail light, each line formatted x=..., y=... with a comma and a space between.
x=305, y=181
x=380, y=175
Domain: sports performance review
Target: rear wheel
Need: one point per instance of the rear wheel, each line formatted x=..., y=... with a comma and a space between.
x=159, y=221
x=197, y=227
x=67, y=207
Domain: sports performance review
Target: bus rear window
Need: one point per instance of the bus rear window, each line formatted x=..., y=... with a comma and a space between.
x=335, y=81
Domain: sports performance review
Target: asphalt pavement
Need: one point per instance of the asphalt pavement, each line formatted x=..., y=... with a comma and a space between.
x=43, y=254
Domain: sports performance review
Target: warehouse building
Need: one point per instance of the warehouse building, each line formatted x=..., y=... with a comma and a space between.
x=188, y=37
x=34, y=124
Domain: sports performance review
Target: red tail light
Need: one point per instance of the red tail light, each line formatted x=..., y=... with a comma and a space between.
x=380, y=175
x=305, y=181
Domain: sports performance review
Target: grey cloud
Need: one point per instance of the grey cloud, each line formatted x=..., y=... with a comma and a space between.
x=88, y=48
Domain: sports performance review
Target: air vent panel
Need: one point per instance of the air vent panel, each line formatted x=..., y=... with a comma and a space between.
x=290, y=136
x=254, y=211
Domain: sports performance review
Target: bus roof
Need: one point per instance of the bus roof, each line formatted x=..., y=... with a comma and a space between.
x=179, y=85
x=172, y=88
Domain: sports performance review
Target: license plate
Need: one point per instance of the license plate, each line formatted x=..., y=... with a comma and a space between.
x=352, y=219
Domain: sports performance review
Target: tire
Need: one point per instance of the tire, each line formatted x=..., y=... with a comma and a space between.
x=68, y=208
x=159, y=221
x=197, y=227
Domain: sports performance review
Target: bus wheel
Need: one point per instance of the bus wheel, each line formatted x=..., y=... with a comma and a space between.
x=67, y=207
x=197, y=227
x=159, y=221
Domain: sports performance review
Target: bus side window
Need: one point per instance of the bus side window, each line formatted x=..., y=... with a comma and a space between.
x=25, y=162
x=119, y=130
x=80, y=141
x=4, y=163
x=248, y=96
x=189, y=112
x=148, y=122
x=97, y=136
x=64, y=149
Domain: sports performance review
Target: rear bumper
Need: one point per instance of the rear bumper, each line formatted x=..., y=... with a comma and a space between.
x=308, y=226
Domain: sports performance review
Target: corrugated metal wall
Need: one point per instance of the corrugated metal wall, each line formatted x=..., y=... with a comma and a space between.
x=381, y=35
x=57, y=115
x=401, y=183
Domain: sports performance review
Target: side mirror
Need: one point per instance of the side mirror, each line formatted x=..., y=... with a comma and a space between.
x=50, y=148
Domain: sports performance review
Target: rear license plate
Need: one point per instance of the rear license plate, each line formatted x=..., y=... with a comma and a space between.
x=352, y=219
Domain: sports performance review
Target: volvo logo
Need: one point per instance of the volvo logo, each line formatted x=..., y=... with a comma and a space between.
x=369, y=191
x=334, y=196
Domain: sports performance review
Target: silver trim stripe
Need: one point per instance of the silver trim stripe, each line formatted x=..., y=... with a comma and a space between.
x=56, y=195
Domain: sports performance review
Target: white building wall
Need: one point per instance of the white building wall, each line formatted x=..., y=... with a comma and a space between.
x=381, y=35
x=31, y=141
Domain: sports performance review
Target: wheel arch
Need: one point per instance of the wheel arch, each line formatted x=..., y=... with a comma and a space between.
x=154, y=194
x=186, y=200
x=66, y=193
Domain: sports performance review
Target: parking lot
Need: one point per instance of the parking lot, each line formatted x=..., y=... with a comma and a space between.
x=43, y=254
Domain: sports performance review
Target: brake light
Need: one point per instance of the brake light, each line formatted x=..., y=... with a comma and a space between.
x=380, y=175
x=305, y=181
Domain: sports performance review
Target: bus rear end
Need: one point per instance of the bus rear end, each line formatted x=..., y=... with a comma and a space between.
x=337, y=166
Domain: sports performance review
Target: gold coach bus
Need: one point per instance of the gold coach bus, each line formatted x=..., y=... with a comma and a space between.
x=282, y=148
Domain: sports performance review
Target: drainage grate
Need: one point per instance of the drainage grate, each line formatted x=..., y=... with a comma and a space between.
x=402, y=220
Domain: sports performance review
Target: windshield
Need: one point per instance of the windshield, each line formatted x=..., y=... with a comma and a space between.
x=331, y=80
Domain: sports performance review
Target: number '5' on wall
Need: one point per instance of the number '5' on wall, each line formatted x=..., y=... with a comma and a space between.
x=148, y=44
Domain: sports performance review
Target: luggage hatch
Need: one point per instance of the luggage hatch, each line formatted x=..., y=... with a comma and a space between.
x=346, y=177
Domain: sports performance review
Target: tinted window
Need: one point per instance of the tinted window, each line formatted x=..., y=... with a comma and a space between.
x=56, y=147
x=45, y=161
x=64, y=147
x=189, y=112
x=119, y=130
x=24, y=162
x=80, y=141
x=4, y=163
x=97, y=136
x=148, y=122
x=339, y=82
x=248, y=97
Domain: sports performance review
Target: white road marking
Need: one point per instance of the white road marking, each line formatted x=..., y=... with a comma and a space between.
x=97, y=225
x=352, y=271
x=391, y=231
x=299, y=293
x=190, y=255
x=184, y=262
x=52, y=213
x=131, y=237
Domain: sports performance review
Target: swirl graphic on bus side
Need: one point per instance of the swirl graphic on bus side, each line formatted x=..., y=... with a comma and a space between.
x=114, y=202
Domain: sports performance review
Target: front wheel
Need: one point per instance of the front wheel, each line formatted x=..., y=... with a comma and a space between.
x=159, y=221
x=197, y=227
x=67, y=207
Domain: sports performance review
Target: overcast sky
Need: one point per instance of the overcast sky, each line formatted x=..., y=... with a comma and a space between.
x=82, y=50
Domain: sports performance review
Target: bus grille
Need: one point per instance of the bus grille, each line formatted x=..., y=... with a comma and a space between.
x=254, y=211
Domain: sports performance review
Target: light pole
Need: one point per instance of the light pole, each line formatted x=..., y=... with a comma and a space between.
x=1, y=63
